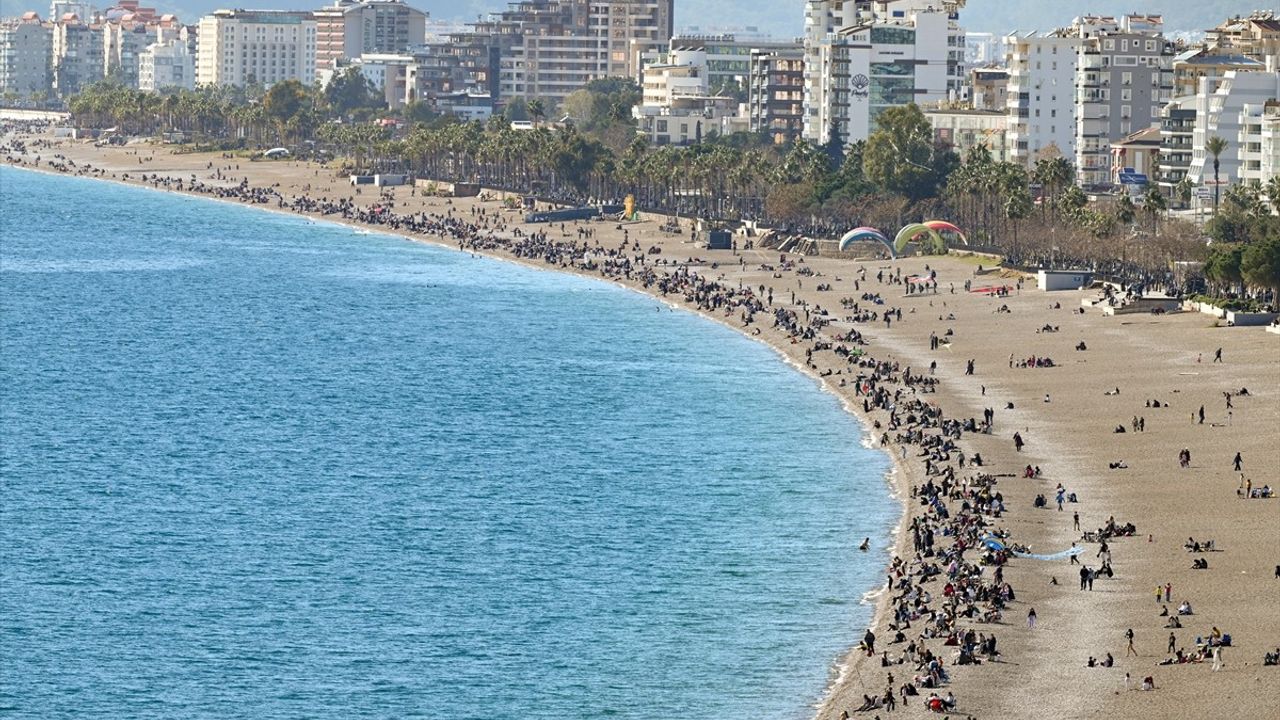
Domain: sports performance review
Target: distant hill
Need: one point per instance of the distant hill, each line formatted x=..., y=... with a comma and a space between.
x=782, y=18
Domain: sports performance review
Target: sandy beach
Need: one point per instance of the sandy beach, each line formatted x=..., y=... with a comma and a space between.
x=1152, y=375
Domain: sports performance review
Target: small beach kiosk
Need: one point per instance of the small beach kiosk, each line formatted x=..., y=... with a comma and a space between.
x=1063, y=279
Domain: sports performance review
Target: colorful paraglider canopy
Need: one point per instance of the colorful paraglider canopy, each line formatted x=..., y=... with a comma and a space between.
x=866, y=234
x=915, y=230
x=942, y=226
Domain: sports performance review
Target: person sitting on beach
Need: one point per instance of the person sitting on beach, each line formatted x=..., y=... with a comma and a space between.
x=1148, y=683
x=869, y=703
x=1118, y=465
x=1271, y=659
x=1199, y=564
x=1173, y=623
x=1185, y=608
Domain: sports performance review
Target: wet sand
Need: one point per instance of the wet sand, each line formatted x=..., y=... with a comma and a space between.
x=1041, y=672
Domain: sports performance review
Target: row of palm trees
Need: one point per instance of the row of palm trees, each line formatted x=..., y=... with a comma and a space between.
x=802, y=186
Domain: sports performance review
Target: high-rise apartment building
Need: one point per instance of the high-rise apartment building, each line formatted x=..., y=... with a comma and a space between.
x=76, y=56
x=862, y=58
x=167, y=64
x=1041, y=95
x=26, y=47
x=351, y=28
x=1124, y=77
x=1259, y=142
x=1177, y=126
x=123, y=40
x=775, y=93
x=241, y=47
x=1222, y=113
x=548, y=49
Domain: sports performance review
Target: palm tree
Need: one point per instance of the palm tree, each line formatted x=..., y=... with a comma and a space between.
x=1272, y=191
x=537, y=110
x=1154, y=203
x=1215, y=147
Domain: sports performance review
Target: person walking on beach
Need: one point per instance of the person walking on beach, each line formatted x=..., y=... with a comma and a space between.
x=1031, y=619
x=1201, y=414
x=1238, y=462
x=1075, y=521
x=1217, y=355
x=1173, y=643
x=1128, y=634
x=1217, y=658
x=1017, y=441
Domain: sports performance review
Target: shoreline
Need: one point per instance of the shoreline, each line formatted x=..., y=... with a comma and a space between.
x=894, y=477
x=1075, y=451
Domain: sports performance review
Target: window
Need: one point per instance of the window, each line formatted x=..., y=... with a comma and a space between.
x=1126, y=95
x=892, y=36
x=1151, y=46
x=1108, y=44
x=1126, y=78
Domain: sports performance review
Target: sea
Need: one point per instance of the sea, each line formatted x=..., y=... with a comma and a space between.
x=254, y=465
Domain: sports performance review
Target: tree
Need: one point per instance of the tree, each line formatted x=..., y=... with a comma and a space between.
x=350, y=91
x=1272, y=191
x=1223, y=265
x=901, y=155
x=517, y=109
x=1215, y=147
x=284, y=102
x=537, y=110
x=1125, y=210
x=1260, y=264
x=1154, y=203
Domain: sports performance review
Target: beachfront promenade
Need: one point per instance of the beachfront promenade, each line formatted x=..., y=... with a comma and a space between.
x=945, y=380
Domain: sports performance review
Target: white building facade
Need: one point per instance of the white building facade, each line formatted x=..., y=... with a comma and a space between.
x=1225, y=113
x=242, y=47
x=861, y=59
x=169, y=64
x=26, y=47
x=1041, y=95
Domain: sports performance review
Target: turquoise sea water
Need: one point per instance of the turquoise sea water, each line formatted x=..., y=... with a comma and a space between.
x=252, y=466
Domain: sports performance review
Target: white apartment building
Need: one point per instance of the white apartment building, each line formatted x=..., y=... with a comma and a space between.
x=862, y=58
x=728, y=56
x=1269, y=143
x=123, y=41
x=1223, y=113
x=241, y=47
x=26, y=47
x=351, y=28
x=1254, y=147
x=169, y=64
x=684, y=75
x=1124, y=77
x=1041, y=94
x=82, y=10
x=76, y=55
